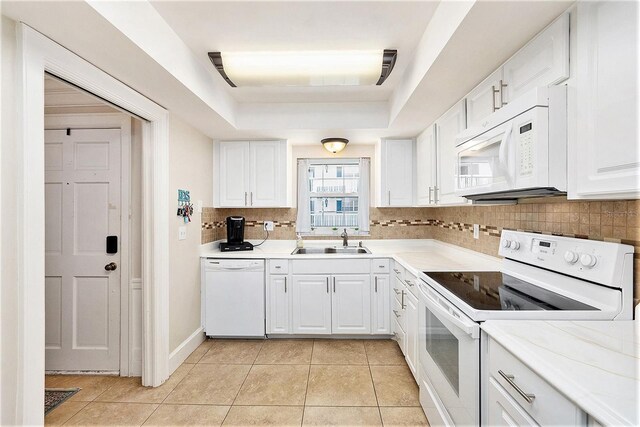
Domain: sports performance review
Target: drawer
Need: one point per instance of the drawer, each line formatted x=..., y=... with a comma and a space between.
x=397, y=287
x=331, y=266
x=399, y=334
x=548, y=406
x=279, y=266
x=399, y=314
x=398, y=270
x=412, y=283
x=380, y=265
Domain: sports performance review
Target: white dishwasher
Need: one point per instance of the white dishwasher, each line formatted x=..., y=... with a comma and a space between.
x=234, y=297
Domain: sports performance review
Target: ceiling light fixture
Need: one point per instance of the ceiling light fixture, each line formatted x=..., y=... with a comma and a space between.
x=334, y=145
x=313, y=68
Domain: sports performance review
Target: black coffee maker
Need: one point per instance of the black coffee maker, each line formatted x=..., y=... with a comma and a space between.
x=235, y=236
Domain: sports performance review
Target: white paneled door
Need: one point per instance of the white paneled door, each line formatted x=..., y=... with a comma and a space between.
x=82, y=208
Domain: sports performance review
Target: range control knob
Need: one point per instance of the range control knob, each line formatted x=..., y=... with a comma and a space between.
x=588, y=260
x=506, y=243
x=571, y=257
x=514, y=245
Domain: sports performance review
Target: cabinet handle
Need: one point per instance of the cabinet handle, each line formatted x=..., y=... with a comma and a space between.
x=494, y=91
x=396, y=313
x=430, y=190
x=334, y=285
x=402, y=301
x=285, y=284
x=375, y=280
x=435, y=195
x=396, y=291
x=409, y=282
x=245, y=198
x=251, y=198
x=389, y=197
x=327, y=285
x=502, y=101
x=510, y=379
x=396, y=270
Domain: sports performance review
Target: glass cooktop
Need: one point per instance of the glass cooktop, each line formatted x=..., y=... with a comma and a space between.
x=493, y=290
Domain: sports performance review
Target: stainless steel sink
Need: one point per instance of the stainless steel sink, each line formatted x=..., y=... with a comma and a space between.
x=349, y=250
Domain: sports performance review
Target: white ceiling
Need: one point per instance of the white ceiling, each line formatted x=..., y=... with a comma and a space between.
x=160, y=49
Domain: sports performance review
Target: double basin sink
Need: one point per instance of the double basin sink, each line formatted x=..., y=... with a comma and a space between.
x=341, y=250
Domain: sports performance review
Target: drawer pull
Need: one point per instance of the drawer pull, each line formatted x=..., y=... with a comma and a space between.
x=396, y=270
x=396, y=291
x=278, y=266
x=381, y=266
x=510, y=379
x=396, y=313
x=409, y=282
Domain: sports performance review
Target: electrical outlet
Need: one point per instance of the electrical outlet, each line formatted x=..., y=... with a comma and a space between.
x=268, y=225
x=476, y=231
x=182, y=233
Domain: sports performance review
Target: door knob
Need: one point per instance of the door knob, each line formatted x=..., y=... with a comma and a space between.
x=111, y=266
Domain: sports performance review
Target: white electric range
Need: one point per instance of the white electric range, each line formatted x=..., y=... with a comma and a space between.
x=542, y=277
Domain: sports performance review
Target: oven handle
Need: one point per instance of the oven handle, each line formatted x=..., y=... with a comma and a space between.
x=469, y=327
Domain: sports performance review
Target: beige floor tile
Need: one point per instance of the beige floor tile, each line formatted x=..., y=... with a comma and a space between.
x=345, y=416
x=339, y=352
x=188, y=415
x=238, y=352
x=264, y=416
x=210, y=384
x=109, y=414
x=340, y=386
x=131, y=389
x=197, y=354
x=395, y=386
x=403, y=417
x=91, y=385
x=63, y=413
x=274, y=385
x=383, y=352
x=285, y=352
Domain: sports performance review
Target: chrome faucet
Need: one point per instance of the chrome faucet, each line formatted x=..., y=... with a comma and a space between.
x=345, y=238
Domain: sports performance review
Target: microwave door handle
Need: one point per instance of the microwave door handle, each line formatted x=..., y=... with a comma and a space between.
x=470, y=328
x=503, y=153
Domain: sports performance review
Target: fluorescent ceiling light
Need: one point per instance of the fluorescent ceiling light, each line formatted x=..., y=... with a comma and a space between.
x=313, y=68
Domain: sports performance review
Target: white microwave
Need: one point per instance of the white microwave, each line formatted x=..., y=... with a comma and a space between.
x=519, y=151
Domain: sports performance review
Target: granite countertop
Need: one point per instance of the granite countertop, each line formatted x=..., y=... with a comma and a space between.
x=415, y=254
x=596, y=364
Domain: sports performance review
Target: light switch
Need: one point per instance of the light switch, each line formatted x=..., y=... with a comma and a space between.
x=182, y=233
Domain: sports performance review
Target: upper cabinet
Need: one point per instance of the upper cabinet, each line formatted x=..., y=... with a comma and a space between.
x=603, y=150
x=251, y=174
x=543, y=61
x=484, y=99
x=447, y=127
x=397, y=176
x=426, y=167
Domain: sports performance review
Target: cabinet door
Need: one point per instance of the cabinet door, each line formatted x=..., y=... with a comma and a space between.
x=234, y=170
x=604, y=158
x=381, y=310
x=278, y=305
x=447, y=128
x=426, y=166
x=542, y=62
x=484, y=99
x=412, y=322
x=311, y=306
x=504, y=411
x=351, y=304
x=397, y=172
x=268, y=173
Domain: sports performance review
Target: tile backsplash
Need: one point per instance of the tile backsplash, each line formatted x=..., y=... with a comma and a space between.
x=616, y=221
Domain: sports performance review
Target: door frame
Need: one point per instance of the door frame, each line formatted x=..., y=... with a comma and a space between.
x=38, y=54
x=123, y=122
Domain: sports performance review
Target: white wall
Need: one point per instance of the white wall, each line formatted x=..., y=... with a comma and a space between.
x=9, y=339
x=190, y=154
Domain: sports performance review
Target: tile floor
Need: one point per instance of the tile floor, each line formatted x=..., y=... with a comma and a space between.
x=257, y=383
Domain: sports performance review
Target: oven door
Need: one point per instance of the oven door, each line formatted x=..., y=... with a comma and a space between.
x=449, y=356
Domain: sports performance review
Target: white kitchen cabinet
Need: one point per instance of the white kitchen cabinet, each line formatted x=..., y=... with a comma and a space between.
x=351, y=304
x=604, y=156
x=426, y=166
x=484, y=99
x=397, y=177
x=251, y=174
x=411, y=340
x=543, y=61
x=447, y=128
x=278, y=305
x=381, y=309
x=311, y=305
x=503, y=410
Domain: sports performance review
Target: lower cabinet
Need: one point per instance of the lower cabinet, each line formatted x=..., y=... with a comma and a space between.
x=381, y=310
x=411, y=339
x=311, y=305
x=351, y=304
x=278, y=303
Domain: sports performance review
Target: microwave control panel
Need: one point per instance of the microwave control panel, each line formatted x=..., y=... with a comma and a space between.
x=525, y=142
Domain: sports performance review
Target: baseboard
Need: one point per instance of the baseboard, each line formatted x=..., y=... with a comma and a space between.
x=180, y=354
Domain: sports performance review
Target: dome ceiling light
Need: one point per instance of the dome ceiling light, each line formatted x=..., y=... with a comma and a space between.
x=306, y=68
x=334, y=145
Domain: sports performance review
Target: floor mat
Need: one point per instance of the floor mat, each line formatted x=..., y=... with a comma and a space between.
x=55, y=396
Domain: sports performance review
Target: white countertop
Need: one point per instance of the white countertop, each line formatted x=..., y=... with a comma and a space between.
x=416, y=254
x=596, y=364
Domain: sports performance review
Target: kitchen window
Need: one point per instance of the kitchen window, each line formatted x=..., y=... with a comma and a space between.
x=333, y=195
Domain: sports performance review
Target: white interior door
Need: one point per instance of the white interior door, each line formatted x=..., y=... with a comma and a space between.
x=82, y=208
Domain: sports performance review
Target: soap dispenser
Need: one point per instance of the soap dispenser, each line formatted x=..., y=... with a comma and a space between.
x=299, y=241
